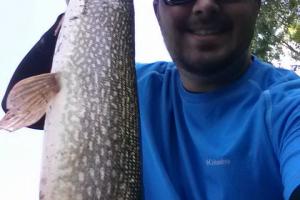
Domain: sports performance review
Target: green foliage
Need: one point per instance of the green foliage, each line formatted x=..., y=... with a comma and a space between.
x=278, y=28
x=294, y=32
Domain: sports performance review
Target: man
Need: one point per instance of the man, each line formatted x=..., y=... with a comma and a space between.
x=225, y=125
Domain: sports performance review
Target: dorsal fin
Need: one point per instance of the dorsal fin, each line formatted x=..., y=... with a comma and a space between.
x=28, y=101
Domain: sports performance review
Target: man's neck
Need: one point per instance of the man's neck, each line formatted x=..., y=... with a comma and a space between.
x=200, y=83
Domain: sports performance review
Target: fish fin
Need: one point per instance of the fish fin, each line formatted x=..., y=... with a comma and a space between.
x=28, y=101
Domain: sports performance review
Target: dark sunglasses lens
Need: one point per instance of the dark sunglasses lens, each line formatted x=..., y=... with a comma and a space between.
x=177, y=2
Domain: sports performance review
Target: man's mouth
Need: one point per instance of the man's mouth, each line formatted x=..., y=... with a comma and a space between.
x=206, y=32
x=216, y=27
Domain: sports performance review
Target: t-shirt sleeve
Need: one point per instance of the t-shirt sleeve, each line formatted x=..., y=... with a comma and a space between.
x=285, y=133
x=146, y=69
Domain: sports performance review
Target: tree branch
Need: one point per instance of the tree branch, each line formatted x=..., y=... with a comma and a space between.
x=286, y=44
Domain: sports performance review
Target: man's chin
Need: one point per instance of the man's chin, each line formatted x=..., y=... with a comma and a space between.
x=210, y=65
x=206, y=66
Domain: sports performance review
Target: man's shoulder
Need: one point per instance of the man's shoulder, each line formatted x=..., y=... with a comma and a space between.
x=269, y=77
x=157, y=69
x=281, y=85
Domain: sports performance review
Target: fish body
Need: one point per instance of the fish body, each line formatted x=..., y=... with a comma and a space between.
x=91, y=143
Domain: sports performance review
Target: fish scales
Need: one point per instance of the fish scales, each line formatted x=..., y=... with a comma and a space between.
x=91, y=143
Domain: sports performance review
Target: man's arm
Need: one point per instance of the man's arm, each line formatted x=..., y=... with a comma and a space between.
x=37, y=61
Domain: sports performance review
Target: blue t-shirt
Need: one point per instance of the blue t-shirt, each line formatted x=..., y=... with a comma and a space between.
x=238, y=142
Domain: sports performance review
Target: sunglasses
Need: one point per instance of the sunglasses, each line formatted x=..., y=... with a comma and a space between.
x=177, y=2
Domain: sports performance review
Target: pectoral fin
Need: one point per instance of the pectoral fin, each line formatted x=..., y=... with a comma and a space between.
x=28, y=101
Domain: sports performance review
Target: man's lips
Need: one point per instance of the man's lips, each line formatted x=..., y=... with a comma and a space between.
x=214, y=26
x=206, y=31
x=208, y=38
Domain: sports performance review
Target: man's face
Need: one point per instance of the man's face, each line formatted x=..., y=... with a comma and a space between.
x=205, y=35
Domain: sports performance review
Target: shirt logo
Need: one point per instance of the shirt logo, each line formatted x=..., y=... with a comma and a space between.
x=218, y=162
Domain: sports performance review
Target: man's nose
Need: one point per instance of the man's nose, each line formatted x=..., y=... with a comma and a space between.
x=206, y=8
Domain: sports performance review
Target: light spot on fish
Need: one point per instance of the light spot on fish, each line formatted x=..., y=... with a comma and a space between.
x=85, y=134
x=81, y=60
x=77, y=163
x=117, y=147
x=98, y=140
x=98, y=39
x=103, y=130
x=109, y=62
x=86, y=123
x=76, y=135
x=79, y=197
x=102, y=173
x=85, y=160
x=74, y=119
x=93, y=116
x=114, y=106
x=115, y=51
x=108, y=163
x=102, y=151
x=123, y=186
x=73, y=156
x=92, y=172
x=72, y=38
x=73, y=188
x=108, y=188
x=131, y=180
x=115, y=137
x=81, y=176
x=97, y=159
x=98, y=193
x=119, y=86
x=91, y=146
x=115, y=93
x=81, y=149
x=102, y=74
x=89, y=191
x=81, y=50
x=88, y=79
x=108, y=143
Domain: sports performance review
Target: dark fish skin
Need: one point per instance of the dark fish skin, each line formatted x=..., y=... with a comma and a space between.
x=91, y=146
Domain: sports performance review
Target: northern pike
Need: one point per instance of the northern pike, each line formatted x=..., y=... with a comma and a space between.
x=91, y=142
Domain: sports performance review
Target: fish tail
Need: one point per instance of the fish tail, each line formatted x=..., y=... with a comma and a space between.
x=28, y=101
